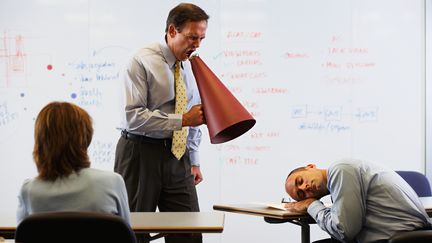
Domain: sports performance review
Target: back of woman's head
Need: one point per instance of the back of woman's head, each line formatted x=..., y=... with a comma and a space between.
x=63, y=132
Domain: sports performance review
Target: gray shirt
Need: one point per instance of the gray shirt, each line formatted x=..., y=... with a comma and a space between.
x=89, y=190
x=150, y=96
x=370, y=203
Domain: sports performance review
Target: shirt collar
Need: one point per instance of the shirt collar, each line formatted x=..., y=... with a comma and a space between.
x=168, y=54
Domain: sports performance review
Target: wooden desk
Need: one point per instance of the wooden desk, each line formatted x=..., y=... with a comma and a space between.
x=165, y=223
x=261, y=210
x=296, y=218
x=149, y=222
x=7, y=226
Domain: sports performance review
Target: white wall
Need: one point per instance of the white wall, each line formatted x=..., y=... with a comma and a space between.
x=324, y=80
x=428, y=90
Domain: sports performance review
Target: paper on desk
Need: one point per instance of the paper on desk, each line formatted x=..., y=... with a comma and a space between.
x=281, y=206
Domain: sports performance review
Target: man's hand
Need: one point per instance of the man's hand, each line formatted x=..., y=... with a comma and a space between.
x=194, y=117
x=196, y=172
x=300, y=206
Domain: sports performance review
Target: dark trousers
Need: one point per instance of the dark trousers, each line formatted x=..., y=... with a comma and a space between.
x=155, y=178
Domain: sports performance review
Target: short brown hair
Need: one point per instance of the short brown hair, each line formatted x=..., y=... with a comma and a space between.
x=63, y=132
x=183, y=13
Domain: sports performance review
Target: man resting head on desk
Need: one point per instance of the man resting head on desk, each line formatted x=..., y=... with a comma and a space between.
x=370, y=203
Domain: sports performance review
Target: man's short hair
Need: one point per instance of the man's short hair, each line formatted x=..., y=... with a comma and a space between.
x=183, y=13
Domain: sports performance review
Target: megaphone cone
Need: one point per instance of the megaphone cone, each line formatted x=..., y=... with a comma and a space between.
x=226, y=117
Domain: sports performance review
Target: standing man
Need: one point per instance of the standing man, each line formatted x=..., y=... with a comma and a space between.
x=370, y=203
x=157, y=153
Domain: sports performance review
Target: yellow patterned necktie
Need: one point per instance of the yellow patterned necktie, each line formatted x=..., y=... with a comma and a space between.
x=178, y=147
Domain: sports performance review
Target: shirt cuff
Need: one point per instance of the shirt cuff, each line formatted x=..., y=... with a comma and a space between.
x=314, y=208
x=194, y=158
x=175, y=121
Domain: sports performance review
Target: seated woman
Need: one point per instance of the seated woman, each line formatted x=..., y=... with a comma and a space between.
x=63, y=132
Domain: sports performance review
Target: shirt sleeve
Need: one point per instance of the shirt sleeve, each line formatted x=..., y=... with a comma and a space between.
x=344, y=219
x=193, y=142
x=194, y=133
x=22, y=211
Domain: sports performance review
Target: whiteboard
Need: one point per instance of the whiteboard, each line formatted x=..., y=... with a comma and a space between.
x=325, y=80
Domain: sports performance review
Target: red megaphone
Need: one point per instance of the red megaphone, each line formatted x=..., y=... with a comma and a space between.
x=226, y=117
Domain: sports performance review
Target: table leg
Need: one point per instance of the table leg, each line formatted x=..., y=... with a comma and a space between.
x=305, y=232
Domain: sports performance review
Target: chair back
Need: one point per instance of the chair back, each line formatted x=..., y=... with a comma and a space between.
x=74, y=227
x=418, y=236
x=418, y=182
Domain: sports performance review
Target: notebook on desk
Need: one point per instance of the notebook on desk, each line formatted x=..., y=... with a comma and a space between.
x=281, y=206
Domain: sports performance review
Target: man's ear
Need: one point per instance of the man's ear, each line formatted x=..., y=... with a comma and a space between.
x=172, y=30
x=312, y=166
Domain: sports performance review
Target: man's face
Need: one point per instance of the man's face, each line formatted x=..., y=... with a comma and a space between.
x=308, y=183
x=184, y=43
